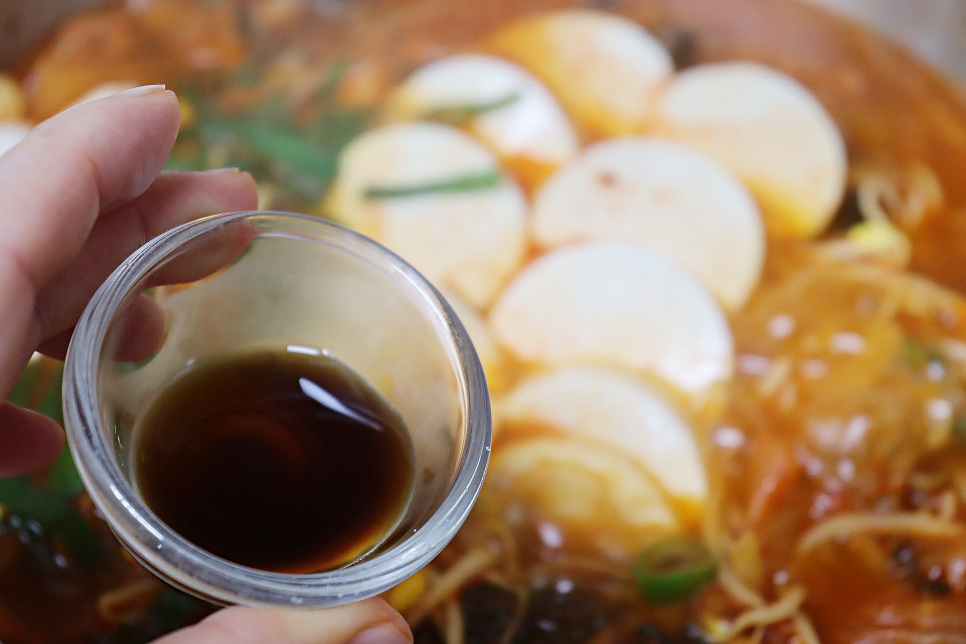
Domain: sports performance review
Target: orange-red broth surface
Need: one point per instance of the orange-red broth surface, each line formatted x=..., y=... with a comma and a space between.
x=846, y=399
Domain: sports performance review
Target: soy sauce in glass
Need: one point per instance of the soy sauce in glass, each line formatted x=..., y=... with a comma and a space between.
x=278, y=460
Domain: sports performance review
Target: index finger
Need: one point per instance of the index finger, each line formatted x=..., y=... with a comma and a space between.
x=77, y=165
x=54, y=185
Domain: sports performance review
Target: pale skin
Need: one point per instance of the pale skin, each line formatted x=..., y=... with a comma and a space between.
x=77, y=196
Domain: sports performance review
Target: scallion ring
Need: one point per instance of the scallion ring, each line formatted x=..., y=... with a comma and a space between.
x=673, y=569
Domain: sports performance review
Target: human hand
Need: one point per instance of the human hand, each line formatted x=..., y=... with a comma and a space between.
x=367, y=622
x=77, y=196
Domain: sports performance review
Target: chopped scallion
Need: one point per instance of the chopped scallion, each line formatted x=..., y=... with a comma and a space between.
x=673, y=569
x=333, y=79
x=459, y=114
x=916, y=354
x=464, y=183
x=959, y=428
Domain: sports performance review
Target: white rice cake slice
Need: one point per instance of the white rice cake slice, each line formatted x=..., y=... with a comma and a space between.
x=606, y=70
x=616, y=305
x=483, y=342
x=504, y=106
x=575, y=483
x=468, y=241
x=769, y=130
x=613, y=408
x=662, y=195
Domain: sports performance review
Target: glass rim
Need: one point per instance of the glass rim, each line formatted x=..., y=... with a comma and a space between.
x=195, y=570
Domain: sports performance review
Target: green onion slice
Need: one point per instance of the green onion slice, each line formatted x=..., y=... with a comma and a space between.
x=673, y=569
x=959, y=428
x=459, y=114
x=465, y=183
x=917, y=354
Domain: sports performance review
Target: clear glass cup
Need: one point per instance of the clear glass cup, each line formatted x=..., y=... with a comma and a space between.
x=276, y=280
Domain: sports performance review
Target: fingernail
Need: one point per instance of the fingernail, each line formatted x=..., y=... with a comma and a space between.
x=143, y=90
x=222, y=171
x=382, y=634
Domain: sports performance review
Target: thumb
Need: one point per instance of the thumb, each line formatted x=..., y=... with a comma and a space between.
x=371, y=621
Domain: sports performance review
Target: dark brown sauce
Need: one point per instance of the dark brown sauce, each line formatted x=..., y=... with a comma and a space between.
x=280, y=461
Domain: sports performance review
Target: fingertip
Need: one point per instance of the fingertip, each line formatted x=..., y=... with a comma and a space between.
x=159, y=98
x=145, y=125
x=138, y=332
x=236, y=188
x=29, y=441
x=75, y=166
x=56, y=347
x=143, y=90
x=385, y=633
x=371, y=621
x=393, y=617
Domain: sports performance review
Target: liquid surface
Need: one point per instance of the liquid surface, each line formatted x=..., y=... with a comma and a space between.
x=279, y=461
x=898, y=119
